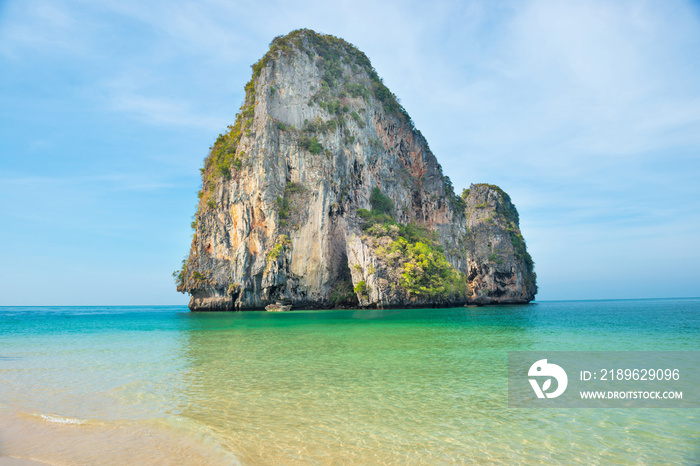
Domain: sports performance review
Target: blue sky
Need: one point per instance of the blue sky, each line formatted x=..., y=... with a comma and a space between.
x=587, y=113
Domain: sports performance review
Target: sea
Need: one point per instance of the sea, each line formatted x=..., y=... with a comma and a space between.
x=162, y=385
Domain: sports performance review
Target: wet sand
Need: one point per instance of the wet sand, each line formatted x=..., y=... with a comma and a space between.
x=30, y=439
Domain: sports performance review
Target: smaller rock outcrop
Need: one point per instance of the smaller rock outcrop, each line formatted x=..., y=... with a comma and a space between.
x=499, y=268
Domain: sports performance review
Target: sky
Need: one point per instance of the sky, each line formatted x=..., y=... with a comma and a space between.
x=587, y=113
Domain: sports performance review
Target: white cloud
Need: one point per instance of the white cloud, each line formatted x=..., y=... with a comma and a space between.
x=588, y=75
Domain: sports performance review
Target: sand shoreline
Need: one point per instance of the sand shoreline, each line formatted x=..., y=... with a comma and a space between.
x=32, y=439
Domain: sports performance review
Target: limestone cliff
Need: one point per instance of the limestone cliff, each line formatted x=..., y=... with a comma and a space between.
x=324, y=194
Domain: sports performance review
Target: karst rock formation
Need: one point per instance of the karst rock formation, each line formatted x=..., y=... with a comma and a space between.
x=324, y=194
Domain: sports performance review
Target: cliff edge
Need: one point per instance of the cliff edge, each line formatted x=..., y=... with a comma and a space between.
x=324, y=194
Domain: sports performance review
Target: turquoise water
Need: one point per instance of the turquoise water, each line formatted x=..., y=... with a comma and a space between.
x=81, y=385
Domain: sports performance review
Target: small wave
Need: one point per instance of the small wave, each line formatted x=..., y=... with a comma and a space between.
x=62, y=420
x=25, y=460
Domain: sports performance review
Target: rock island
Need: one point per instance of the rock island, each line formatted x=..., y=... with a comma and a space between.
x=324, y=194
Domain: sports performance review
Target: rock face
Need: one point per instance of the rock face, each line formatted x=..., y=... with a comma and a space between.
x=324, y=194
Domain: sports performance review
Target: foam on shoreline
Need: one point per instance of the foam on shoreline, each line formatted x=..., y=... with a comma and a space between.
x=62, y=420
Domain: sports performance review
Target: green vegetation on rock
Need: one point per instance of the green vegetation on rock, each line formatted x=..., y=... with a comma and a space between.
x=414, y=252
x=360, y=122
x=361, y=288
x=381, y=204
x=311, y=144
x=282, y=242
x=224, y=155
x=179, y=275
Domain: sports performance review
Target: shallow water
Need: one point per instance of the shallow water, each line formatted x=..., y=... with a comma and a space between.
x=162, y=385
